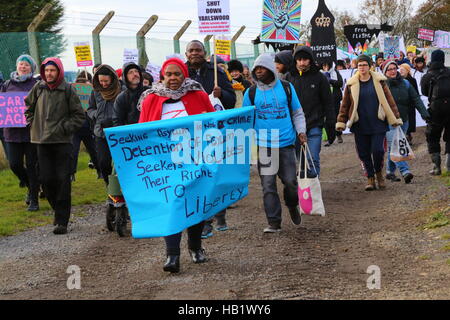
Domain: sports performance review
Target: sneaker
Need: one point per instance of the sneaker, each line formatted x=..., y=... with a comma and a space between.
x=272, y=229
x=392, y=177
x=60, y=229
x=408, y=177
x=198, y=256
x=295, y=215
x=91, y=165
x=33, y=206
x=222, y=227
x=207, y=231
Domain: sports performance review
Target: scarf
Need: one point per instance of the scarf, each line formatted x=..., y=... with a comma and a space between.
x=111, y=92
x=161, y=90
x=24, y=78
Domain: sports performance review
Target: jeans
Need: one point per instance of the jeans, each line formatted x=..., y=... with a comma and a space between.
x=391, y=165
x=194, y=240
x=286, y=170
x=315, y=144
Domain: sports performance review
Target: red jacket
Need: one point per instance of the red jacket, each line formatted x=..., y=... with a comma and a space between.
x=195, y=102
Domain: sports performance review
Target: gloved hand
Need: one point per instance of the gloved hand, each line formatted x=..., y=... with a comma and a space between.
x=108, y=123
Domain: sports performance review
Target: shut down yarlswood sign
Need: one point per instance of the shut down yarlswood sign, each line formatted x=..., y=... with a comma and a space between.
x=214, y=17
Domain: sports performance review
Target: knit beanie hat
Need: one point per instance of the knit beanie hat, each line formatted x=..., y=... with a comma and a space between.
x=28, y=59
x=178, y=63
x=386, y=65
x=438, y=56
x=365, y=58
x=52, y=63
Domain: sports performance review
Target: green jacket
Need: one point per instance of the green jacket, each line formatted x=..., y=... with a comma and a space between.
x=54, y=115
x=406, y=97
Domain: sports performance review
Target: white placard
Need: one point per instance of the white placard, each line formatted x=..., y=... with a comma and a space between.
x=214, y=17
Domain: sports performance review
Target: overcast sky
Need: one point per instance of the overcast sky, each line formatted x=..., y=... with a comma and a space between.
x=82, y=15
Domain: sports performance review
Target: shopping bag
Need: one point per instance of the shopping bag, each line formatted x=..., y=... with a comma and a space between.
x=309, y=190
x=400, y=148
x=216, y=103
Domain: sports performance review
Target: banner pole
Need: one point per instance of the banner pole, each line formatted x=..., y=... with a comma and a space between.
x=216, y=82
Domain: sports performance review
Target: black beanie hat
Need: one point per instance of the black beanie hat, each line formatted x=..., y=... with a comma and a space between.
x=235, y=65
x=365, y=58
x=419, y=59
x=438, y=56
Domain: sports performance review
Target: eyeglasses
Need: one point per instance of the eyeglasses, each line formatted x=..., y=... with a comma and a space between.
x=362, y=65
x=392, y=69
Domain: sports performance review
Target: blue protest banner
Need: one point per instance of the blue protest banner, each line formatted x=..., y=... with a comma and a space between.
x=12, y=108
x=176, y=173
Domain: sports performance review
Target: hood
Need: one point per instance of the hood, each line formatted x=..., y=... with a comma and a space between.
x=96, y=83
x=284, y=57
x=113, y=90
x=265, y=60
x=127, y=67
x=60, y=67
x=308, y=51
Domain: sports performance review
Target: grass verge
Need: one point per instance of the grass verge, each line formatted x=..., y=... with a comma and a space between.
x=14, y=217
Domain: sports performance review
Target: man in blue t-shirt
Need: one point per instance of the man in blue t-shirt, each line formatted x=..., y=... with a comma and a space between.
x=278, y=123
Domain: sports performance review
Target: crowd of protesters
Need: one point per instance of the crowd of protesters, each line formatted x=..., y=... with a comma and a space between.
x=291, y=93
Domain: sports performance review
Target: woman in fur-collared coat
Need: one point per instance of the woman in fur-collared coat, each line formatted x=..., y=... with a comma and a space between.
x=367, y=109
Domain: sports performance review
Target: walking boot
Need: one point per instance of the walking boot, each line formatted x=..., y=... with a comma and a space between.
x=60, y=229
x=34, y=205
x=198, y=256
x=380, y=180
x=370, y=184
x=172, y=264
x=436, y=159
x=295, y=215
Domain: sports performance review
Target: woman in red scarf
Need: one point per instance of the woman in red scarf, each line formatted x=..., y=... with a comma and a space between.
x=176, y=96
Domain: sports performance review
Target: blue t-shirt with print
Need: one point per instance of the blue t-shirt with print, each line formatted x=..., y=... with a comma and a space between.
x=272, y=113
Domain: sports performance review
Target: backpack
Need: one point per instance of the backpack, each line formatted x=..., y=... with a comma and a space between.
x=287, y=90
x=440, y=85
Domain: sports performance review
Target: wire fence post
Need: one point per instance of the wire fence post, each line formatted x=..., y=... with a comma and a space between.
x=32, y=39
x=176, y=38
x=233, y=42
x=140, y=38
x=96, y=37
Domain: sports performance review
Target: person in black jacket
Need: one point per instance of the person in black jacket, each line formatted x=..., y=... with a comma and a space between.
x=436, y=86
x=336, y=84
x=125, y=107
x=100, y=112
x=236, y=70
x=313, y=90
x=203, y=72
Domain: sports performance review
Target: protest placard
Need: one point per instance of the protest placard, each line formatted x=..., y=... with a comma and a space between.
x=223, y=47
x=176, y=173
x=359, y=35
x=12, y=109
x=281, y=21
x=441, y=39
x=83, y=54
x=130, y=55
x=392, y=47
x=426, y=34
x=83, y=91
x=323, y=39
x=214, y=17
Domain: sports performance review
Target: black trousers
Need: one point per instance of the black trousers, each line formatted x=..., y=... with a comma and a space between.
x=55, y=162
x=104, y=158
x=85, y=135
x=439, y=126
x=23, y=161
x=194, y=240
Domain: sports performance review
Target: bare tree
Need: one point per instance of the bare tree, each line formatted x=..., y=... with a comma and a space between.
x=342, y=19
x=397, y=13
